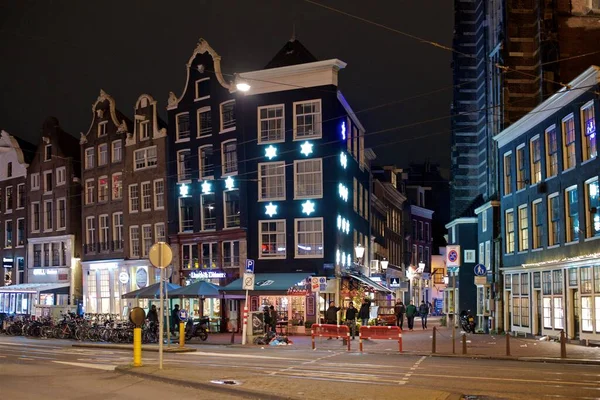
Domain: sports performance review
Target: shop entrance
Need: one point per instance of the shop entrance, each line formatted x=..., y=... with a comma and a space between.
x=576, y=313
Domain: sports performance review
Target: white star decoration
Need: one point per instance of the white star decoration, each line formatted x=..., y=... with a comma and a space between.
x=343, y=130
x=308, y=207
x=206, y=187
x=184, y=190
x=343, y=160
x=271, y=209
x=229, y=183
x=271, y=152
x=307, y=148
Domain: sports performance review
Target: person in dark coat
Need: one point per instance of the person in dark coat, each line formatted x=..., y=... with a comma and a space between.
x=273, y=319
x=351, y=314
x=399, y=310
x=267, y=318
x=364, y=312
x=331, y=314
x=152, y=315
x=424, y=312
x=175, y=320
x=411, y=312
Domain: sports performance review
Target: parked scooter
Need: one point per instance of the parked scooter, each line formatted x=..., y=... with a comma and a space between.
x=467, y=321
x=198, y=328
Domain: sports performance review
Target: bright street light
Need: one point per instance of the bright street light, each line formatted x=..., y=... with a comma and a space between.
x=242, y=87
x=359, y=250
x=384, y=264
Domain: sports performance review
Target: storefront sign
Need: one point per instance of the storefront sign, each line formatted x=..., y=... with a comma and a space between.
x=207, y=275
x=40, y=272
x=7, y=262
x=394, y=282
x=124, y=277
x=141, y=277
x=310, y=305
x=97, y=266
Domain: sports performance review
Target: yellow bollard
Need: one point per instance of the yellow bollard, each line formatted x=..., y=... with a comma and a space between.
x=137, y=347
x=181, y=334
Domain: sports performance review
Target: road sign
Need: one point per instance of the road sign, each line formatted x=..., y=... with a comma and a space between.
x=322, y=283
x=249, y=266
x=248, y=282
x=480, y=270
x=160, y=255
x=453, y=256
x=137, y=316
x=183, y=315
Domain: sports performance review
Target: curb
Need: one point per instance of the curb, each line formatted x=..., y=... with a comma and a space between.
x=122, y=348
x=508, y=358
x=125, y=370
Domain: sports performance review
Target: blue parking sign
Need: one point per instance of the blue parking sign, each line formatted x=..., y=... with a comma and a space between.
x=249, y=266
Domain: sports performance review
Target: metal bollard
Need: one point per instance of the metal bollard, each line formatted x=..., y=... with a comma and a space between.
x=181, y=334
x=433, y=342
x=508, y=343
x=464, y=344
x=137, y=347
x=563, y=345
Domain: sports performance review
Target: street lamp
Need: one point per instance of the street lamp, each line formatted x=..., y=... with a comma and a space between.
x=446, y=280
x=421, y=268
x=384, y=264
x=359, y=251
x=242, y=86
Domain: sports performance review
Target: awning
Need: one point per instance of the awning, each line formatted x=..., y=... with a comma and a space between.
x=371, y=283
x=57, y=288
x=151, y=292
x=198, y=289
x=275, y=283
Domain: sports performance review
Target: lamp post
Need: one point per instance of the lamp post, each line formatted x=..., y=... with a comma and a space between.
x=359, y=252
x=384, y=264
x=420, y=271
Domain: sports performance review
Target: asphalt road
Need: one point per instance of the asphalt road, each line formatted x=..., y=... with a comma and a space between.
x=52, y=368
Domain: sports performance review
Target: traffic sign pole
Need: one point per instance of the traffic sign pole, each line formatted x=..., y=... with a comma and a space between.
x=245, y=326
x=160, y=257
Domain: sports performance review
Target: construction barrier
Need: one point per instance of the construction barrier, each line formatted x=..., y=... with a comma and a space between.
x=380, y=332
x=330, y=331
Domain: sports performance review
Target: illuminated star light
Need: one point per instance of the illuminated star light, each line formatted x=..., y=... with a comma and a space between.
x=339, y=222
x=229, y=183
x=343, y=259
x=206, y=187
x=184, y=190
x=349, y=262
x=307, y=148
x=343, y=190
x=271, y=152
x=343, y=130
x=337, y=256
x=343, y=160
x=308, y=207
x=271, y=209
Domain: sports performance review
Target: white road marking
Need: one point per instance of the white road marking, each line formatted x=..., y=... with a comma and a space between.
x=410, y=372
x=103, y=367
x=199, y=353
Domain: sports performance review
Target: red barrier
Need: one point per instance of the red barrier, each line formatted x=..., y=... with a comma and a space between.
x=331, y=331
x=380, y=332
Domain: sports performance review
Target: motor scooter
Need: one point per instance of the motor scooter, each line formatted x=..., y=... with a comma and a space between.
x=467, y=321
x=197, y=328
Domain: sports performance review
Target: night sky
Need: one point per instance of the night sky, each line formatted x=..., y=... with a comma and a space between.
x=55, y=56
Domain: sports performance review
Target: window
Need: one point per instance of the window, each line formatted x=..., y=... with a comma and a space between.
x=90, y=158
x=160, y=232
x=232, y=208
x=90, y=232
x=231, y=254
x=205, y=156
x=37, y=255
x=202, y=89
x=90, y=188
x=184, y=165
x=118, y=231
x=20, y=195
x=558, y=313
x=554, y=220
x=46, y=247
x=183, y=126
x=48, y=152
x=420, y=232
x=521, y=165
x=117, y=186
x=538, y=224
x=144, y=130
x=572, y=214
x=307, y=119
x=146, y=197
x=102, y=128
x=186, y=214
x=48, y=215
x=510, y=231
x=588, y=130
x=309, y=237
x=103, y=222
x=229, y=157
x=557, y=282
x=535, y=152
x=488, y=255
x=35, y=181
x=209, y=214
x=21, y=232
x=61, y=216
x=159, y=194
x=8, y=233
x=61, y=176
x=48, y=181
x=228, y=115
x=586, y=279
x=204, y=119
x=134, y=240
x=147, y=239
x=568, y=128
x=189, y=256
x=9, y=170
x=586, y=314
x=271, y=181
x=35, y=215
x=9, y=199
x=103, y=189
x=144, y=158
x=209, y=255
x=551, y=152
x=507, y=173
x=103, y=154
x=272, y=239
x=547, y=312
x=308, y=179
x=427, y=234
x=134, y=198
x=484, y=221
x=355, y=195
x=482, y=254
x=592, y=220
x=271, y=124
x=117, y=151
x=523, y=229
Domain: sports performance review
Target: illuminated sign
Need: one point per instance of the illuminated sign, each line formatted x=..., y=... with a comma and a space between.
x=39, y=272
x=343, y=191
x=96, y=266
x=207, y=275
x=123, y=277
x=394, y=283
x=343, y=130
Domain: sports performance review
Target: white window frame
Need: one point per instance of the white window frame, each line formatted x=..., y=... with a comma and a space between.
x=296, y=178
x=199, y=129
x=201, y=167
x=145, y=128
x=46, y=158
x=118, y=234
x=91, y=190
x=221, y=122
x=131, y=240
x=274, y=257
x=521, y=167
x=156, y=229
x=102, y=131
x=24, y=233
x=225, y=216
x=178, y=139
x=231, y=262
x=549, y=219
x=103, y=229
x=180, y=176
x=584, y=156
x=20, y=204
x=144, y=238
x=551, y=129
x=129, y=199
x=470, y=255
x=196, y=87
x=488, y=255
x=260, y=184
x=589, y=216
x=112, y=151
x=202, y=195
x=58, y=226
x=260, y=120
x=482, y=253
x=46, y=227
x=108, y=187
x=534, y=178
x=484, y=221
x=534, y=228
x=39, y=207
x=35, y=181
x=157, y=193
x=12, y=232
x=46, y=173
x=61, y=176
x=522, y=245
x=148, y=196
x=224, y=161
x=102, y=160
x=181, y=220
x=507, y=189
x=319, y=123
x=146, y=159
x=12, y=198
x=90, y=157
x=297, y=241
x=506, y=231
x=565, y=145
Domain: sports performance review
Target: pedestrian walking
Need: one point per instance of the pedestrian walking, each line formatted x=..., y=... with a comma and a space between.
x=351, y=314
x=363, y=313
x=411, y=312
x=399, y=310
x=424, y=312
x=266, y=318
x=152, y=315
x=331, y=314
x=175, y=320
x=273, y=319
